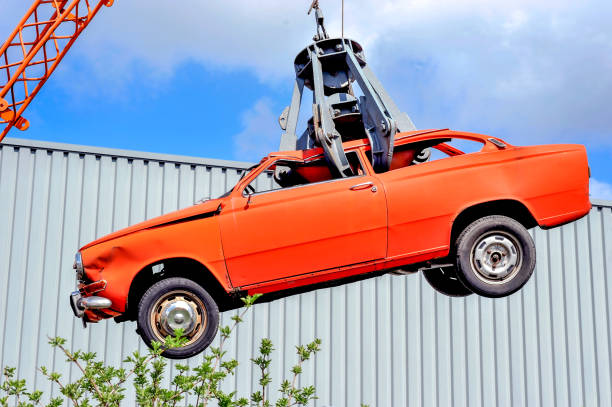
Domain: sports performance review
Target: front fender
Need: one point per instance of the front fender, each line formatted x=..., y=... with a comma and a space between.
x=120, y=259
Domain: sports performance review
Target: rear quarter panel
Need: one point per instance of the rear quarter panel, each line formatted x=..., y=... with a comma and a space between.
x=424, y=200
x=554, y=182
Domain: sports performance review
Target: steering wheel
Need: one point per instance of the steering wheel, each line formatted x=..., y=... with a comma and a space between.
x=250, y=189
x=277, y=179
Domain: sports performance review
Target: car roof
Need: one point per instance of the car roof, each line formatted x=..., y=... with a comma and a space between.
x=400, y=139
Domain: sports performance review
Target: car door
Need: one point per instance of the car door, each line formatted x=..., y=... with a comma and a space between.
x=284, y=232
x=423, y=198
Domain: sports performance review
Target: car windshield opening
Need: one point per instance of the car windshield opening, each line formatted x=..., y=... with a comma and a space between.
x=284, y=174
x=244, y=174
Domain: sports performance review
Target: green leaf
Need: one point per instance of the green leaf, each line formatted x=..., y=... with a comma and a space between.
x=249, y=300
x=57, y=341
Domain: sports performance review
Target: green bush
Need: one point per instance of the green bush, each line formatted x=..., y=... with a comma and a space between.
x=101, y=385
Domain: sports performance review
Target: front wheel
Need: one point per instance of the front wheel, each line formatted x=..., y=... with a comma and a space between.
x=178, y=303
x=495, y=256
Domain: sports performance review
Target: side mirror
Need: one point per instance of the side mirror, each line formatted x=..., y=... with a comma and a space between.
x=249, y=195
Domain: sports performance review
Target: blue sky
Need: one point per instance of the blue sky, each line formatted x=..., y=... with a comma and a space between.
x=210, y=78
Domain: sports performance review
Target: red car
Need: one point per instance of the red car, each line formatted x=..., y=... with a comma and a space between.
x=291, y=224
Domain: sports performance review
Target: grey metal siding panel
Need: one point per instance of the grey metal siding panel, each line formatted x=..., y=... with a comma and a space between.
x=389, y=341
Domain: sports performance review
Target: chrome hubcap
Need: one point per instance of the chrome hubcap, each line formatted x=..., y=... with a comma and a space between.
x=496, y=258
x=178, y=315
x=178, y=310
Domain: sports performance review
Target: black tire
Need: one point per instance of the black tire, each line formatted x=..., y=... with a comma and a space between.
x=175, y=299
x=445, y=281
x=495, y=256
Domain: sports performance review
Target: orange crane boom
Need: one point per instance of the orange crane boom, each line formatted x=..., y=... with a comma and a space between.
x=34, y=49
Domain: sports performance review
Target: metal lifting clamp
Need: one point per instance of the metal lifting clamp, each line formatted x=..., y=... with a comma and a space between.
x=330, y=67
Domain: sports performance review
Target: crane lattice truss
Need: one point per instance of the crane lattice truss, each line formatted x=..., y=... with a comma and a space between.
x=34, y=49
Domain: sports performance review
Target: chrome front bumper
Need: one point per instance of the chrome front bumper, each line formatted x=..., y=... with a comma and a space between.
x=79, y=304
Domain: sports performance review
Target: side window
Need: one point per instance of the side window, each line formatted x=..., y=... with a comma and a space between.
x=425, y=151
x=288, y=174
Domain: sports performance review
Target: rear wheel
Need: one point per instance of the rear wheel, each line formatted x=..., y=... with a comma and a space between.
x=495, y=256
x=445, y=281
x=178, y=303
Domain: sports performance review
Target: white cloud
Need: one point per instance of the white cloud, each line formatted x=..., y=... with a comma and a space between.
x=536, y=71
x=600, y=190
x=260, y=134
x=263, y=36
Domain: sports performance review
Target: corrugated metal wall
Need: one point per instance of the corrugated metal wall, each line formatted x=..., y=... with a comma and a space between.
x=390, y=341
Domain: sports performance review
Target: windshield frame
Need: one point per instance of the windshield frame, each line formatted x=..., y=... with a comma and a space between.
x=247, y=172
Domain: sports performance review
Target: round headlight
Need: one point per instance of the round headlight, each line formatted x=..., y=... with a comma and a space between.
x=78, y=266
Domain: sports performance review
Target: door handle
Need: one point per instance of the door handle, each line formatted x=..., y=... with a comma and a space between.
x=363, y=185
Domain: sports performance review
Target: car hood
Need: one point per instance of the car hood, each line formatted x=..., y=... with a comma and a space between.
x=204, y=209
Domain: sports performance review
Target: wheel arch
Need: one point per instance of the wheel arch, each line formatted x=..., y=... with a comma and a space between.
x=511, y=208
x=174, y=267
